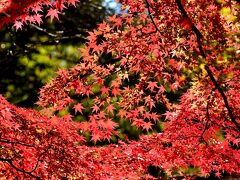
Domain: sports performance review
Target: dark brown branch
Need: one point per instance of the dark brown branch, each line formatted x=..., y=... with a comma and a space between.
x=39, y=158
x=184, y=13
x=9, y=161
x=15, y=142
x=209, y=72
x=151, y=17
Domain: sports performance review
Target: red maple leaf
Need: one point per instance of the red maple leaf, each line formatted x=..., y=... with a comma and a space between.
x=18, y=25
x=122, y=113
x=78, y=108
x=147, y=125
x=109, y=124
x=96, y=137
x=95, y=108
x=154, y=116
x=110, y=108
x=104, y=90
x=115, y=91
x=38, y=19
x=72, y=2
x=53, y=13
x=152, y=85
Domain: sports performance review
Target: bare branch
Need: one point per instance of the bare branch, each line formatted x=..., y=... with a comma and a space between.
x=15, y=142
x=56, y=36
x=43, y=30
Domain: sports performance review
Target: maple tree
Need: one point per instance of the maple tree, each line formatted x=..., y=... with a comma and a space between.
x=154, y=49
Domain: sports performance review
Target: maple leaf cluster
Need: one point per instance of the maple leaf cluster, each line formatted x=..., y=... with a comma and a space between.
x=155, y=49
x=31, y=11
x=33, y=145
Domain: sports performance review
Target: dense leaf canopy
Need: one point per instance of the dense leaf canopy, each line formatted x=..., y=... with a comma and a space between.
x=130, y=67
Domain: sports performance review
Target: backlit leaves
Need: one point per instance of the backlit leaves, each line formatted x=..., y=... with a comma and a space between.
x=139, y=69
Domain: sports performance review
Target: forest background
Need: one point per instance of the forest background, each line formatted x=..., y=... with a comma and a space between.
x=31, y=56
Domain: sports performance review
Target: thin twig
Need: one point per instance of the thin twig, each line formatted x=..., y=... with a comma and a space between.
x=151, y=17
x=56, y=36
x=43, y=30
x=15, y=142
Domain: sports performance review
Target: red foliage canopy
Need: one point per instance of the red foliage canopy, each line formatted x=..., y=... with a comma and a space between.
x=156, y=47
x=22, y=12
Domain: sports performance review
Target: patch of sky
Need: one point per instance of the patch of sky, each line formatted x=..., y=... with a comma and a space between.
x=112, y=5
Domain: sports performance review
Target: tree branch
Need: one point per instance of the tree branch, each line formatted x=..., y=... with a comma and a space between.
x=15, y=142
x=151, y=17
x=209, y=72
x=9, y=161
x=57, y=36
x=43, y=30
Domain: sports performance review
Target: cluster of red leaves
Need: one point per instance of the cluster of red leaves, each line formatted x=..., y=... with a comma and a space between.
x=154, y=47
x=31, y=11
x=33, y=145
